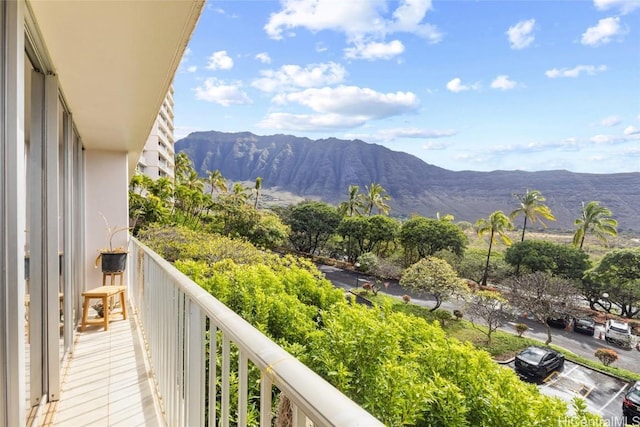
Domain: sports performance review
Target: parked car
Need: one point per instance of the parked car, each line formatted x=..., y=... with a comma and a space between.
x=618, y=333
x=585, y=325
x=631, y=404
x=560, y=321
x=536, y=361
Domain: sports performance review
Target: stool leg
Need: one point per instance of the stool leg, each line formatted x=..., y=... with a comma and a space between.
x=85, y=314
x=105, y=312
x=123, y=304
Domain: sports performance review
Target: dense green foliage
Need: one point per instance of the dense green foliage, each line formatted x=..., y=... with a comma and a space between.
x=312, y=224
x=423, y=237
x=539, y=255
x=618, y=275
x=402, y=369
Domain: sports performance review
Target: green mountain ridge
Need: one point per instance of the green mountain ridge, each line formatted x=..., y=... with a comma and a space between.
x=323, y=170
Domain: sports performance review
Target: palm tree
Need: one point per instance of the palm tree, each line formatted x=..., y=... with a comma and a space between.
x=595, y=219
x=532, y=208
x=497, y=224
x=182, y=167
x=375, y=197
x=256, y=191
x=353, y=206
x=216, y=181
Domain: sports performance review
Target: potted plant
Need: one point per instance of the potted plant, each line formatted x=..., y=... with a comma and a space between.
x=112, y=259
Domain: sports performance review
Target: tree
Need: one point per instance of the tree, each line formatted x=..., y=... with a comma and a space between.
x=182, y=167
x=376, y=197
x=490, y=307
x=354, y=205
x=368, y=234
x=618, y=275
x=596, y=219
x=435, y=277
x=355, y=229
x=382, y=233
x=312, y=223
x=496, y=225
x=532, y=208
x=256, y=191
x=423, y=237
x=216, y=181
x=556, y=259
x=542, y=296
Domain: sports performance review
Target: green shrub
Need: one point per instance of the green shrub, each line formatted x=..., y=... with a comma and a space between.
x=606, y=355
x=521, y=328
x=400, y=367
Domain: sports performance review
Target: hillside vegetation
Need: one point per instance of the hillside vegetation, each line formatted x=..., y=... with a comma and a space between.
x=402, y=369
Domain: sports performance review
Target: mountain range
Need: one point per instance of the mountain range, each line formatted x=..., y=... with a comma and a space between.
x=323, y=169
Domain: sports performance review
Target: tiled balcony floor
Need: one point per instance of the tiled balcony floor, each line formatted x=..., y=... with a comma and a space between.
x=107, y=381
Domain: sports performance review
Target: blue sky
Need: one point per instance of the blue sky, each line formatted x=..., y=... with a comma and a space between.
x=464, y=85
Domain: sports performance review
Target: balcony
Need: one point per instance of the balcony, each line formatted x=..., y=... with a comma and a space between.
x=154, y=369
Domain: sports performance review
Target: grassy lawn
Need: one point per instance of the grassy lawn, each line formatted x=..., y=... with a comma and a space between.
x=503, y=345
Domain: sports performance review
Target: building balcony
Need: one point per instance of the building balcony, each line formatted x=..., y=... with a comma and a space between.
x=154, y=368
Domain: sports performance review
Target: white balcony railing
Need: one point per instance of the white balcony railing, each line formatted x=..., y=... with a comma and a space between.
x=178, y=318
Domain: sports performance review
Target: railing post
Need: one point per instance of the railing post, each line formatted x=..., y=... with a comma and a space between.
x=195, y=375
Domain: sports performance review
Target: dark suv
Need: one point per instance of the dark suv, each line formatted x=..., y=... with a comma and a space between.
x=631, y=404
x=538, y=361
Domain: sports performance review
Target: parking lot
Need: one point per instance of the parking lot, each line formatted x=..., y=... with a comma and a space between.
x=602, y=393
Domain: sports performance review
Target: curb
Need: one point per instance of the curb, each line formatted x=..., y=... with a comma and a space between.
x=504, y=362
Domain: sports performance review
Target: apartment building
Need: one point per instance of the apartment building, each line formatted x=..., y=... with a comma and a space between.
x=158, y=155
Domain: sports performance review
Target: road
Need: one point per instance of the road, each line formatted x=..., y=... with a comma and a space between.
x=580, y=344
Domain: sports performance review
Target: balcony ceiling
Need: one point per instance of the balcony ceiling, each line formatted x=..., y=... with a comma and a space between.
x=115, y=61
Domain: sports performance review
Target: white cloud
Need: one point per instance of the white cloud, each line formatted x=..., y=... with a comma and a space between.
x=185, y=59
x=291, y=77
x=321, y=47
x=192, y=69
x=605, y=139
x=575, y=71
x=520, y=35
x=359, y=20
x=389, y=134
x=624, y=6
x=264, y=58
x=610, y=121
x=375, y=50
x=225, y=94
x=311, y=122
x=569, y=144
x=220, y=60
x=353, y=101
x=603, y=32
x=631, y=130
x=456, y=86
x=502, y=82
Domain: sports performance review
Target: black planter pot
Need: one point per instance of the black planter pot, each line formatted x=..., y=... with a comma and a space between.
x=113, y=262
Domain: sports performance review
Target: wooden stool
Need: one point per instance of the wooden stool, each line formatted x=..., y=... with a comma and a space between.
x=104, y=293
x=112, y=278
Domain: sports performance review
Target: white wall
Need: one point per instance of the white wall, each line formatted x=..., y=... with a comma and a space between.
x=107, y=185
